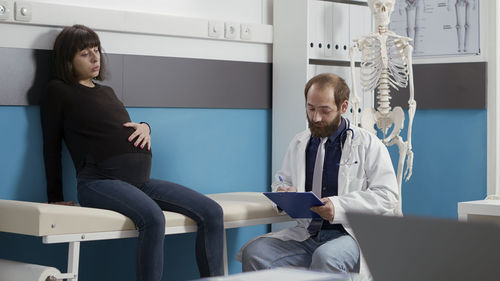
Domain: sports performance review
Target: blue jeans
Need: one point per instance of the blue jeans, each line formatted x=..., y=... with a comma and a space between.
x=330, y=251
x=144, y=207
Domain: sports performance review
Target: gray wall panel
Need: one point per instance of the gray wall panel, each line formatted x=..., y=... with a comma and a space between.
x=147, y=81
x=24, y=74
x=114, y=77
x=446, y=86
x=183, y=82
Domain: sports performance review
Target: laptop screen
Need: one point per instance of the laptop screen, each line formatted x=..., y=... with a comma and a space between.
x=430, y=249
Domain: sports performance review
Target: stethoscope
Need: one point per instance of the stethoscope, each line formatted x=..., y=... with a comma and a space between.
x=346, y=162
x=345, y=131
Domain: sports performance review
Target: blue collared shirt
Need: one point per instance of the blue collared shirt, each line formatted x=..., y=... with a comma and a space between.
x=330, y=165
x=333, y=152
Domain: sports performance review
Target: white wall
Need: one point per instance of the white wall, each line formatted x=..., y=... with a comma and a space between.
x=157, y=28
x=235, y=10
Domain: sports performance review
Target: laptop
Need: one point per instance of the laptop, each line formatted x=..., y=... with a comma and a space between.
x=427, y=249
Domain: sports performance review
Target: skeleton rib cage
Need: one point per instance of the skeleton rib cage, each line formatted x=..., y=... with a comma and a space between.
x=375, y=72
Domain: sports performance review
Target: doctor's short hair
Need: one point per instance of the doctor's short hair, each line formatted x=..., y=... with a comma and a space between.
x=340, y=89
x=71, y=40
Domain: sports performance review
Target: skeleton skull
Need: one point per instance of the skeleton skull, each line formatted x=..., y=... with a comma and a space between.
x=381, y=10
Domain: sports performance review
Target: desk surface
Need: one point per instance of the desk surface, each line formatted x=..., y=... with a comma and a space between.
x=479, y=207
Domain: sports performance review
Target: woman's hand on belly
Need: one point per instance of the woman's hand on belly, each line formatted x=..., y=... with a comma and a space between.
x=141, y=134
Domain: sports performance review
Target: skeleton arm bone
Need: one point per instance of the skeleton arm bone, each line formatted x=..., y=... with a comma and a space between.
x=355, y=98
x=412, y=107
x=402, y=147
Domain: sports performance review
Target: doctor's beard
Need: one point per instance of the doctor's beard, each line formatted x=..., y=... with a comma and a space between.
x=324, y=131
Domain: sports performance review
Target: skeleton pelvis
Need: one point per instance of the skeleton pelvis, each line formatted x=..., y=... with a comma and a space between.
x=394, y=119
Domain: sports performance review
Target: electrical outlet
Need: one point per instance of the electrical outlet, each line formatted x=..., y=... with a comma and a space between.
x=215, y=29
x=22, y=11
x=231, y=30
x=246, y=32
x=5, y=8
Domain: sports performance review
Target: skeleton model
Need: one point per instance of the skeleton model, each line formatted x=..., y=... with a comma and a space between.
x=462, y=10
x=386, y=60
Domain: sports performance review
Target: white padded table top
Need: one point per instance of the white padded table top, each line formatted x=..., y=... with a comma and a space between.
x=41, y=219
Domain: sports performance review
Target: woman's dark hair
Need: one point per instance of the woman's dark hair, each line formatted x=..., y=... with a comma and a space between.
x=71, y=40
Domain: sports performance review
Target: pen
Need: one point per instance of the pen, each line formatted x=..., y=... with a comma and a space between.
x=282, y=183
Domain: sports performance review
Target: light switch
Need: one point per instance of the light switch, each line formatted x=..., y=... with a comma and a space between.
x=22, y=11
x=246, y=32
x=231, y=30
x=215, y=29
x=5, y=8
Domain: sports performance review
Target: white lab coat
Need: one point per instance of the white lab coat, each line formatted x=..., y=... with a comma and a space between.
x=367, y=182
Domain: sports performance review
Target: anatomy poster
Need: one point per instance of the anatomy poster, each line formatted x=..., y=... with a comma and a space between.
x=438, y=27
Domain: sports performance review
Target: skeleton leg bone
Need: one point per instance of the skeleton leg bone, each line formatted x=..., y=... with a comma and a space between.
x=460, y=8
x=419, y=11
x=468, y=8
x=396, y=117
x=411, y=16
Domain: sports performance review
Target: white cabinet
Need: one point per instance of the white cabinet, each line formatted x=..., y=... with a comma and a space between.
x=310, y=37
x=332, y=27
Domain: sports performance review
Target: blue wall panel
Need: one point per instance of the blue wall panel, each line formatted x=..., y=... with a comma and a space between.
x=209, y=150
x=222, y=150
x=449, y=163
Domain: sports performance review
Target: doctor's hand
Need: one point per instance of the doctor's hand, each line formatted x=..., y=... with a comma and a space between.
x=286, y=189
x=327, y=211
x=141, y=134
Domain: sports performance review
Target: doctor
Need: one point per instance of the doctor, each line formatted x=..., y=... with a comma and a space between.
x=347, y=167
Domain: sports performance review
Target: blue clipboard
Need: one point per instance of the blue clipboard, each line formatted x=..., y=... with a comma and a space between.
x=296, y=204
